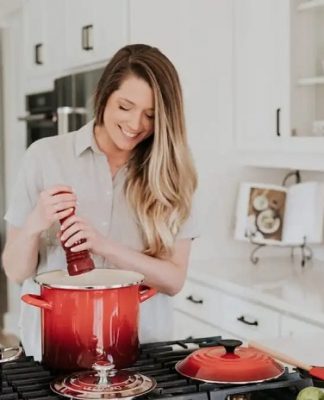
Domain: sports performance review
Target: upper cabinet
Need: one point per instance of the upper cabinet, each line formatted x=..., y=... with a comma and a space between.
x=44, y=30
x=63, y=35
x=95, y=30
x=279, y=83
x=307, y=69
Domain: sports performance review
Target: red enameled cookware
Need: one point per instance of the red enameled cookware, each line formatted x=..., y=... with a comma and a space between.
x=103, y=382
x=88, y=317
x=229, y=363
x=9, y=353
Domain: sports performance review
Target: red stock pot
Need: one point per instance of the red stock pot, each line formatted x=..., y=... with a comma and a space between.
x=90, y=317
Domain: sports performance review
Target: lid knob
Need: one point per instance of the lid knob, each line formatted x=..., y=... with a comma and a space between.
x=230, y=346
x=106, y=370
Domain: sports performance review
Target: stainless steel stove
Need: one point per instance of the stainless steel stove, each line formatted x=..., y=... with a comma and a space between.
x=26, y=379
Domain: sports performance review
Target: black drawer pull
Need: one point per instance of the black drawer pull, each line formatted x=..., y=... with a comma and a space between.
x=87, y=37
x=278, y=121
x=242, y=319
x=193, y=300
x=38, y=54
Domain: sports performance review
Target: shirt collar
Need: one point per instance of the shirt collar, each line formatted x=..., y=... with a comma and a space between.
x=86, y=139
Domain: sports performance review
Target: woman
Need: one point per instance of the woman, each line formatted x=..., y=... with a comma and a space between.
x=131, y=178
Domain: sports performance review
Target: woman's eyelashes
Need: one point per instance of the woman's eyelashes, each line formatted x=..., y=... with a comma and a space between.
x=123, y=108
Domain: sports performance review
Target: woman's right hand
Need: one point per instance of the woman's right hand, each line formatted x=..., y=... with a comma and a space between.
x=54, y=204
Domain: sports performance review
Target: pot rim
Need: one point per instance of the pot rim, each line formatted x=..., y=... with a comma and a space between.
x=136, y=280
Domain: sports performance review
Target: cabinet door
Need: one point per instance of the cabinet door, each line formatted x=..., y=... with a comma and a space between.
x=186, y=326
x=34, y=36
x=249, y=320
x=43, y=42
x=261, y=73
x=200, y=302
x=292, y=326
x=95, y=29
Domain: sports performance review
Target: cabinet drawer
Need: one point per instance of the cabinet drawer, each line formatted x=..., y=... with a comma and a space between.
x=249, y=320
x=200, y=302
x=292, y=326
x=186, y=326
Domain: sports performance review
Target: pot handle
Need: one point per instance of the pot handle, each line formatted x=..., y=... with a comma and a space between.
x=37, y=301
x=145, y=293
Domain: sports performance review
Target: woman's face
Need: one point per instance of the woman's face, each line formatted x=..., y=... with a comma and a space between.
x=129, y=114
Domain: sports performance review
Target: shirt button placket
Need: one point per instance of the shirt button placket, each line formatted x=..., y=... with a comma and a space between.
x=108, y=210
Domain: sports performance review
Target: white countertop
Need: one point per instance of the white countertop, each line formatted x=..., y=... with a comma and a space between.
x=278, y=283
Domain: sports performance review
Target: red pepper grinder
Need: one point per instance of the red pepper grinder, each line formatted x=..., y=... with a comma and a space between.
x=80, y=261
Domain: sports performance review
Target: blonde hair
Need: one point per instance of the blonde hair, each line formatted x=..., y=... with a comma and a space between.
x=161, y=177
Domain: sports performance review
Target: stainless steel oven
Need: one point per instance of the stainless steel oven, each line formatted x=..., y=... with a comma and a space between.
x=41, y=119
x=74, y=99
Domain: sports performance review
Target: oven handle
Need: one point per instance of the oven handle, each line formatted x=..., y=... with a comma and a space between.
x=63, y=117
x=36, y=117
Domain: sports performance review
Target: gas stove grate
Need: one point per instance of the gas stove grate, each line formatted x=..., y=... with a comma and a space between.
x=26, y=379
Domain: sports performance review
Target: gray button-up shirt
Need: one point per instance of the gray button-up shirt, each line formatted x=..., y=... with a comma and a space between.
x=74, y=159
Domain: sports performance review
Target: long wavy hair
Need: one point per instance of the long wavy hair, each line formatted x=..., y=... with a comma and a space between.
x=161, y=176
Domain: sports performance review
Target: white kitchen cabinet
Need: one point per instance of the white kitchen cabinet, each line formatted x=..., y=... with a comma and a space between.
x=230, y=315
x=278, y=83
x=95, y=30
x=203, y=308
x=261, y=72
x=249, y=320
x=185, y=326
x=291, y=326
x=44, y=37
x=200, y=302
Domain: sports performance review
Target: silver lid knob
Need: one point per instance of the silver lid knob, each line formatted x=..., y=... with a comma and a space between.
x=105, y=369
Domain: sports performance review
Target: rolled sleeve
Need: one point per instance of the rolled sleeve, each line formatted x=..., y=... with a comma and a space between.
x=190, y=228
x=28, y=185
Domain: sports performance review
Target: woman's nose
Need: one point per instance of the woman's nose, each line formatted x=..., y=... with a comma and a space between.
x=136, y=122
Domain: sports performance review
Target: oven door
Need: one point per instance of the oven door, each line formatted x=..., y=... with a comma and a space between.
x=39, y=126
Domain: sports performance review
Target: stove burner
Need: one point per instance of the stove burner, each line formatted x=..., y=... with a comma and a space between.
x=26, y=379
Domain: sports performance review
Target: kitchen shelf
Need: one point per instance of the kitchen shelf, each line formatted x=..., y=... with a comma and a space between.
x=308, y=5
x=314, y=80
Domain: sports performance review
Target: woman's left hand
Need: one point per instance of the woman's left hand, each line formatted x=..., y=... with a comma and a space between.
x=75, y=229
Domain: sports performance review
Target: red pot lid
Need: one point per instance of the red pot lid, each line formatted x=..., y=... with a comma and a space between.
x=9, y=353
x=230, y=365
x=103, y=382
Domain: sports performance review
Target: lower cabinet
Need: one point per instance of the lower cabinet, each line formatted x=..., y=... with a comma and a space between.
x=249, y=320
x=186, y=327
x=200, y=310
x=292, y=326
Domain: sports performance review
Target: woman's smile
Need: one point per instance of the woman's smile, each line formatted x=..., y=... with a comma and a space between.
x=129, y=134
